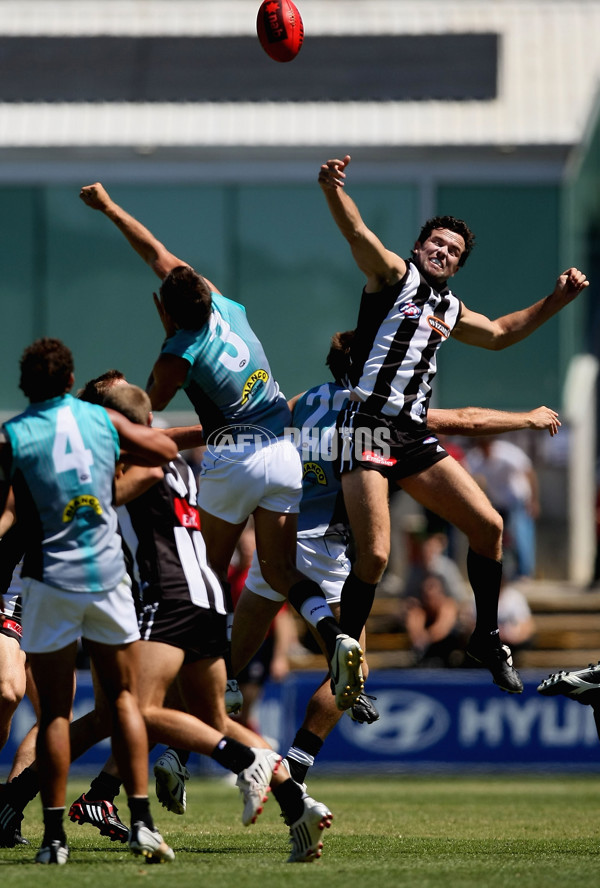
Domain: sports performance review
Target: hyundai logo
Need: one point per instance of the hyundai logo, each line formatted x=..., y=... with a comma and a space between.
x=409, y=722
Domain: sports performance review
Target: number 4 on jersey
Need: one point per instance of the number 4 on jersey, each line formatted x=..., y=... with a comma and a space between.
x=68, y=451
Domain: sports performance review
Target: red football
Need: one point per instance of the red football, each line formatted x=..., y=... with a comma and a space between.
x=280, y=29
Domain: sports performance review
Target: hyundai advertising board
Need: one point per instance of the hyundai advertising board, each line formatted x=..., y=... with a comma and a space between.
x=430, y=719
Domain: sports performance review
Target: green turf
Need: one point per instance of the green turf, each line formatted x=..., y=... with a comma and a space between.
x=485, y=832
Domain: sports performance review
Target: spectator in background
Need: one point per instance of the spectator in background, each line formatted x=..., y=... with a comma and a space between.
x=433, y=624
x=428, y=557
x=506, y=474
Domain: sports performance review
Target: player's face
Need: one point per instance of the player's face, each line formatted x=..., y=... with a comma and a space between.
x=439, y=255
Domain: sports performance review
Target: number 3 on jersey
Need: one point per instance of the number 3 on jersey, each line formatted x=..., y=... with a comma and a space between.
x=68, y=451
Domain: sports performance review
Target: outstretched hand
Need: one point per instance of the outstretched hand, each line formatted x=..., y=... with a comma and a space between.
x=570, y=284
x=332, y=175
x=544, y=418
x=95, y=196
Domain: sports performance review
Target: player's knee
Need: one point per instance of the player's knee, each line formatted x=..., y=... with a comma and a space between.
x=370, y=565
x=10, y=697
x=488, y=538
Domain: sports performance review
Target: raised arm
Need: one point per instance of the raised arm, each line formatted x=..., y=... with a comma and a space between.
x=477, y=329
x=473, y=421
x=380, y=265
x=152, y=251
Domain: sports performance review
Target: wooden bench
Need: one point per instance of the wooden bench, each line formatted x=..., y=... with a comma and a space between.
x=567, y=632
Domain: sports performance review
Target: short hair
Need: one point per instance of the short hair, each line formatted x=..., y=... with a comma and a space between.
x=338, y=358
x=452, y=224
x=46, y=369
x=95, y=389
x=186, y=297
x=130, y=400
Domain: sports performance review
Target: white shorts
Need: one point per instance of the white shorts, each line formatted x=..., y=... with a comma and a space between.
x=54, y=618
x=322, y=559
x=269, y=477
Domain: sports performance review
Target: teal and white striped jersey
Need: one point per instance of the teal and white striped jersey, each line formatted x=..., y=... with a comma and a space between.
x=64, y=453
x=229, y=381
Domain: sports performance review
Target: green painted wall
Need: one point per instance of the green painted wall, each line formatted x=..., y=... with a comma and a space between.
x=68, y=272
x=514, y=263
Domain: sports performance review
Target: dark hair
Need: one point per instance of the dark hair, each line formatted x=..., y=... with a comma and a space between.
x=95, y=389
x=452, y=224
x=46, y=369
x=186, y=297
x=338, y=359
x=130, y=400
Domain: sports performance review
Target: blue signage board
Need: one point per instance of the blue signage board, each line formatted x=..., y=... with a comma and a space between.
x=437, y=718
x=430, y=719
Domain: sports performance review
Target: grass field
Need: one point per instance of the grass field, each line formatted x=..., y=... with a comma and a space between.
x=419, y=832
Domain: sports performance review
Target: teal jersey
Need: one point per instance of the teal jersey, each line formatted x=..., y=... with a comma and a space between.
x=229, y=381
x=322, y=510
x=64, y=453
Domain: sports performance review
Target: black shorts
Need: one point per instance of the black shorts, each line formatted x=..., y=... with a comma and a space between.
x=201, y=633
x=10, y=627
x=377, y=442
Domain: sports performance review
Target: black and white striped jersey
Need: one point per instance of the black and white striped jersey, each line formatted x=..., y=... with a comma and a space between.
x=161, y=529
x=398, y=333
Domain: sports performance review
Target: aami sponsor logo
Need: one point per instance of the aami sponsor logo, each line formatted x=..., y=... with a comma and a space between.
x=439, y=326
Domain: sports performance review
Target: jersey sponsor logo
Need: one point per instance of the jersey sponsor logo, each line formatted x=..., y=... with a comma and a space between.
x=81, y=502
x=439, y=326
x=370, y=456
x=410, y=310
x=186, y=514
x=313, y=468
x=253, y=380
x=11, y=626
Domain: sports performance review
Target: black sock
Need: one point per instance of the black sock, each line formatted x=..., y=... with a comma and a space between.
x=355, y=604
x=485, y=577
x=302, y=753
x=232, y=755
x=53, y=826
x=103, y=787
x=329, y=630
x=182, y=754
x=140, y=810
x=289, y=797
x=229, y=618
x=23, y=788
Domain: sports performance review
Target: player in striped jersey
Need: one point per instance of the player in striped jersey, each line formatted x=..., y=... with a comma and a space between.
x=250, y=466
x=324, y=534
x=407, y=311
